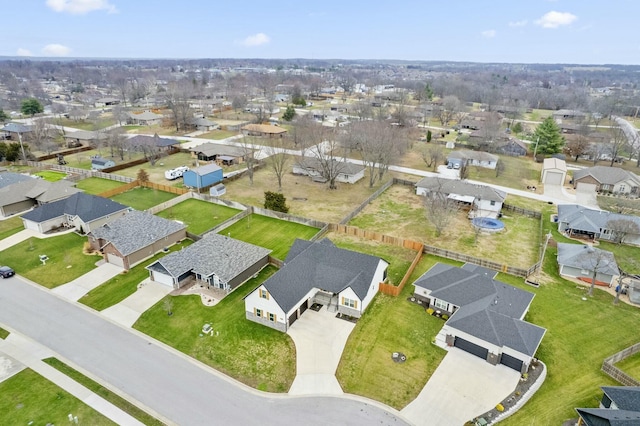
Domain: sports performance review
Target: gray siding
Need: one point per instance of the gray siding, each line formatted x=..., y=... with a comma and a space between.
x=349, y=311
x=249, y=272
x=275, y=325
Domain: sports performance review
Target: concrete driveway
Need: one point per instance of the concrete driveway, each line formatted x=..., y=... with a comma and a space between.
x=129, y=310
x=77, y=288
x=319, y=338
x=16, y=238
x=462, y=387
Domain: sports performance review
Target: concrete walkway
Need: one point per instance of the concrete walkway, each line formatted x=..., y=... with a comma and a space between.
x=128, y=311
x=462, y=387
x=319, y=338
x=17, y=238
x=77, y=288
x=30, y=354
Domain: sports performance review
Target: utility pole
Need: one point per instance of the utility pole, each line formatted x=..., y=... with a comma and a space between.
x=535, y=150
x=544, y=249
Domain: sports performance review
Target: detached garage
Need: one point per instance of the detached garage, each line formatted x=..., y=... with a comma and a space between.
x=554, y=171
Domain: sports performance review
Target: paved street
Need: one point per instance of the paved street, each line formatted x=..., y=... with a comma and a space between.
x=178, y=389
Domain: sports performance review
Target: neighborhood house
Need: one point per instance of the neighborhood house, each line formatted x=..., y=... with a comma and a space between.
x=609, y=179
x=19, y=193
x=582, y=222
x=345, y=171
x=582, y=261
x=316, y=273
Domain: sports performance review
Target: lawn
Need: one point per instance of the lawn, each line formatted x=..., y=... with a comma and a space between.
x=89, y=125
x=10, y=226
x=3, y=333
x=218, y=134
x=399, y=212
x=28, y=398
x=519, y=172
x=51, y=176
x=82, y=160
x=392, y=324
x=631, y=365
x=123, y=285
x=256, y=355
x=96, y=186
x=156, y=172
x=619, y=204
x=66, y=259
x=271, y=233
x=143, y=198
x=199, y=216
x=103, y=392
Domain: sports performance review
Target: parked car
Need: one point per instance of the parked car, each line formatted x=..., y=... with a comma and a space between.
x=6, y=272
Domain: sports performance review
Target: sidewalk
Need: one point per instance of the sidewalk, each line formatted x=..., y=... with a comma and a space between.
x=77, y=288
x=128, y=311
x=30, y=355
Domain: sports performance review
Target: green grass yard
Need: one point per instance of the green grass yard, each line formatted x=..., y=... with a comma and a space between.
x=28, y=398
x=123, y=285
x=3, y=333
x=271, y=233
x=143, y=198
x=51, y=176
x=66, y=259
x=10, y=226
x=256, y=355
x=96, y=186
x=199, y=216
x=631, y=365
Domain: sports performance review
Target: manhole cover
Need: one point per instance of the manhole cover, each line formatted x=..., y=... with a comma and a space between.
x=398, y=357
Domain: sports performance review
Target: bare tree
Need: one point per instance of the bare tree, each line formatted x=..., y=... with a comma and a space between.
x=439, y=209
x=40, y=135
x=432, y=155
x=117, y=142
x=500, y=167
x=464, y=170
x=247, y=145
x=177, y=100
x=326, y=156
x=617, y=140
x=149, y=147
x=278, y=158
x=595, y=260
x=575, y=147
x=622, y=228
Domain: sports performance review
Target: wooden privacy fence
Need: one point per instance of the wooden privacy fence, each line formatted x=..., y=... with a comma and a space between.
x=393, y=290
x=364, y=204
x=134, y=184
x=512, y=270
x=608, y=366
x=529, y=213
x=120, y=189
x=63, y=153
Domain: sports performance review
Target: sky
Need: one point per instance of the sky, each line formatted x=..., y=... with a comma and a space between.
x=510, y=31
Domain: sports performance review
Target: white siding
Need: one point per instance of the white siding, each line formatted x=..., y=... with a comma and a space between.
x=162, y=278
x=485, y=209
x=254, y=301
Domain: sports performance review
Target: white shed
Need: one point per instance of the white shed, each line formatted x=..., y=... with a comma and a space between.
x=554, y=171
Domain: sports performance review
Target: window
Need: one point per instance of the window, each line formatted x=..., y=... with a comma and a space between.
x=440, y=304
x=264, y=294
x=350, y=303
x=622, y=188
x=493, y=203
x=272, y=317
x=258, y=313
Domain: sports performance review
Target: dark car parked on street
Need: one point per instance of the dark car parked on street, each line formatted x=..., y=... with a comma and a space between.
x=6, y=272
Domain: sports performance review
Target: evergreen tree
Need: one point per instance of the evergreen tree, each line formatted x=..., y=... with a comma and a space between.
x=275, y=201
x=289, y=113
x=31, y=107
x=548, y=137
x=3, y=116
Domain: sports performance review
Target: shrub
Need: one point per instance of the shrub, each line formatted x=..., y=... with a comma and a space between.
x=500, y=407
x=430, y=311
x=445, y=317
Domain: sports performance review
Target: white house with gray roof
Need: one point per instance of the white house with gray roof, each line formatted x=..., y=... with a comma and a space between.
x=220, y=261
x=582, y=222
x=134, y=237
x=473, y=158
x=346, y=172
x=486, y=317
x=485, y=200
x=344, y=281
x=581, y=261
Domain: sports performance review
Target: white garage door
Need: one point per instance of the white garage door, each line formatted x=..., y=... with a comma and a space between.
x=115, y=260
x=554, y=178
x=28, y=224
x=162, y=278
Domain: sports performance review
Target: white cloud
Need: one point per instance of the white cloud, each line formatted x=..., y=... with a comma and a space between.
x=256, y=40
x=488, y=33
x=555, y=19
x=80, y=7
x=56, y=50
x=23, y=52
x=518, y=23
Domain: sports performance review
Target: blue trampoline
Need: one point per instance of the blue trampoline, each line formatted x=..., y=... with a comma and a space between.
x=488, y=224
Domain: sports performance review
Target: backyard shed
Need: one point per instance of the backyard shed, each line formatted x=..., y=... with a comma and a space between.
x=554, y=171
x=217, y=190
x=203, y=177
x=99, y=163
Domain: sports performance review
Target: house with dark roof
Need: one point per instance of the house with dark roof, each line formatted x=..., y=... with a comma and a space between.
x=344, y=281
x=139, y=141
x=222, y=154
x=473, y=158
x=582, y=222
x=620, y=406
x=100, y=163
x=80, y=137
x=15, y=130
x=204, y=124
x=134, y=237
x=484, y=201
x=486, y=316
x=217, y=260
x=609, y=179
x=513, y=147
x=19, y=193
x=581, y=261
x=83, y=212
x=347, y=172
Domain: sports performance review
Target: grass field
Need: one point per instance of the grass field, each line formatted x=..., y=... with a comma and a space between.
x=88, y=125
x=199, y=216
x=103, y=392
x=66, y=259
x=218, y=134
x=96, y=186
x=256, y=355
x=399, y=212
x=275, y=234
x=392, y=324
x=10, y=226
x=156, y=172
x=143, y=198
x=631, y=365
x=519, y=173
x=29, y=399
x=51, y=176
x=82, y=160
x=123, y=285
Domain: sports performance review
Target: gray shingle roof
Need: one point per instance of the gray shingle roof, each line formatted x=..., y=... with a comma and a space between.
x=87, y=207
x=213, y=254
x=211, y=149
x=17, y=128
x=206, y=169
x=606, y=175
x=9, y=178
x=461, y=187
x=625, y=397
x=585, y=219
x=320, y=265
x=489, y=310
x=136, y=230
x=607, y=417
x=344, y=166
x=587, y=257
x=466, y=154
x=143, y=140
